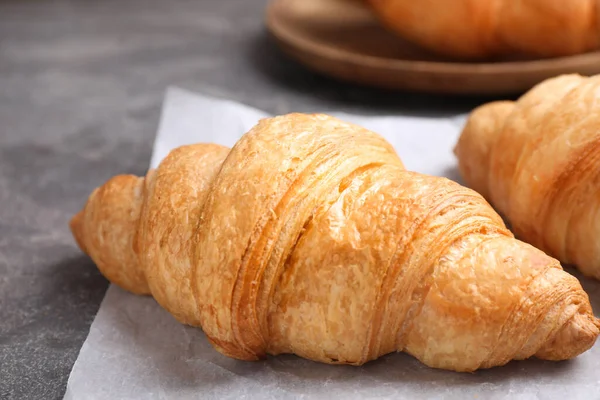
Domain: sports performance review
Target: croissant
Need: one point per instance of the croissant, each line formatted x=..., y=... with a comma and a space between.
x=310, y=237
x=490, y=28
x=537, y=160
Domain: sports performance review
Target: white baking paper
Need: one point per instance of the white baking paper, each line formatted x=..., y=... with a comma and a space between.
x=136, y=350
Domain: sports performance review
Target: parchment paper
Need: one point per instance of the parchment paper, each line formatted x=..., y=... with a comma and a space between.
x=136, y=350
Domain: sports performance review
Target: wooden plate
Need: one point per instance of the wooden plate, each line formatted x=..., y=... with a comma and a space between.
x=342, y=38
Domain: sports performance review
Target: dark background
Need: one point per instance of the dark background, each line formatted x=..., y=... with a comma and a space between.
x=81, y=85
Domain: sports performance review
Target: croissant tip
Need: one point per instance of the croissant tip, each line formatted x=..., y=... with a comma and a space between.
x=575, y=337
x=76, y=226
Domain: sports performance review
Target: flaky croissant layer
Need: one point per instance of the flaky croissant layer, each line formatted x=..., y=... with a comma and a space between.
x=310, y=237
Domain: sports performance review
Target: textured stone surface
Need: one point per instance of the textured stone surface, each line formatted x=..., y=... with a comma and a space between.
x=81, y=83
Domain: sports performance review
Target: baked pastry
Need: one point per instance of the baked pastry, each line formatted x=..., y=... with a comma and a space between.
x=490, y=28
x=537, y=160
x=310, y=237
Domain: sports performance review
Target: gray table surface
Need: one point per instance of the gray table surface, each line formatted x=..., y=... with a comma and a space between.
x=81, y=85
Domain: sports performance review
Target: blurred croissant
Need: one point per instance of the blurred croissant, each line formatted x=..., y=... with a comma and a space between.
x=537, y=161
x=489, y=28
x=310, y=237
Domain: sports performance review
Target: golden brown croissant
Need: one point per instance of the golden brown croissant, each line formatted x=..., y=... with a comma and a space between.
x=537, y=160
x=486, y=28
x=309, y=237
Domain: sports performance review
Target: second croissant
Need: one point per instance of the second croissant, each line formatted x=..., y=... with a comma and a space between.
x=538, y=162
